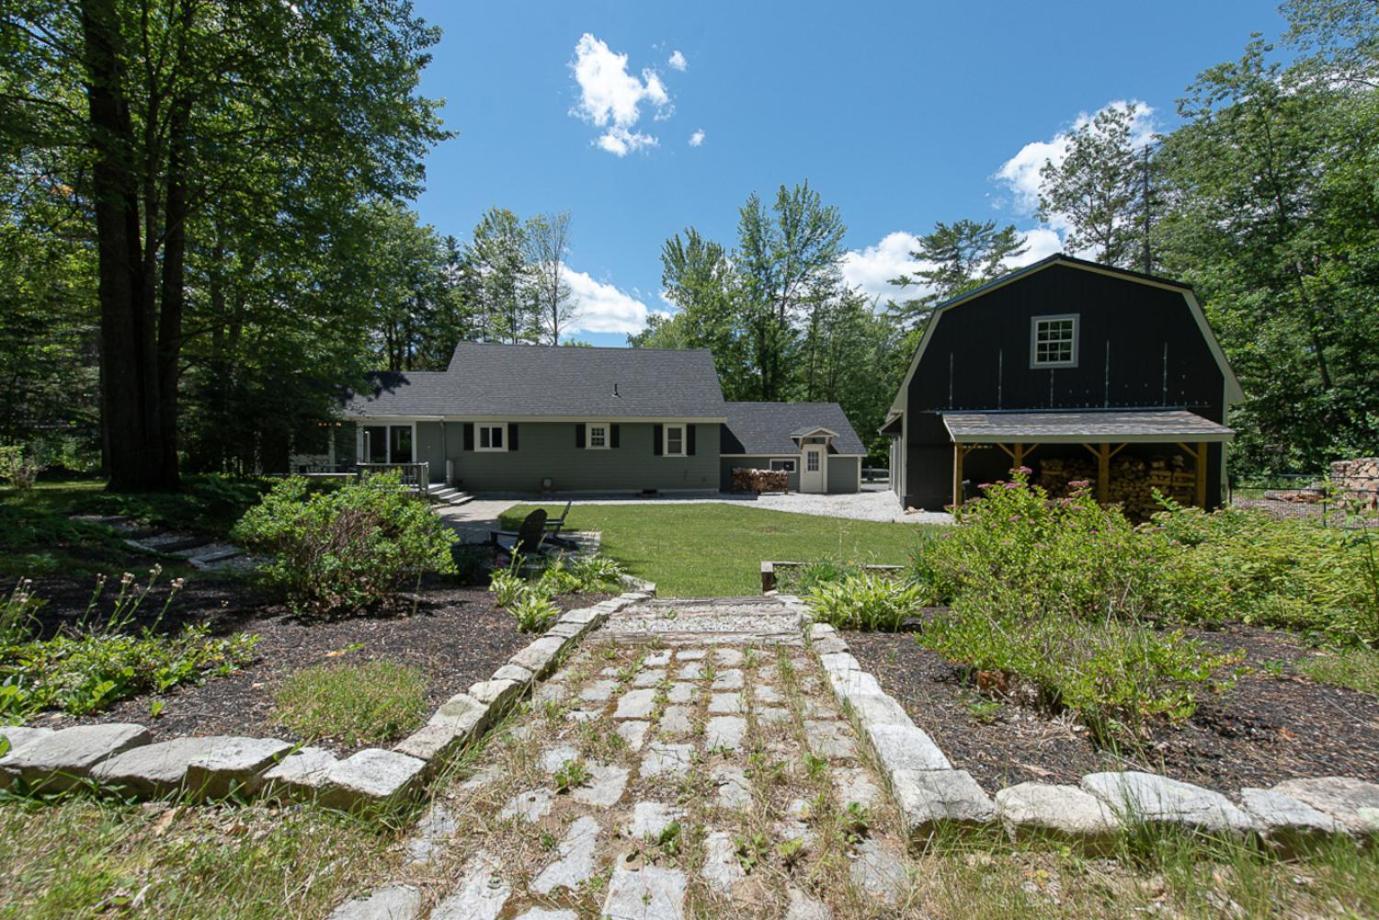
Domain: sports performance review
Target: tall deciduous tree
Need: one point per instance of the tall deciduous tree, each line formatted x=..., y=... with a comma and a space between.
x=548, y=244
x=788, y=258
x=1103, y=190
x=1272, y=218
x=498, y=278
x=178, y=105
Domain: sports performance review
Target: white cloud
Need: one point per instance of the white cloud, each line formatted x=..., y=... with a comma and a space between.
x=872, y=267
x=1042, y=242
x=677, y=61
x=1021, y=172
x=610, y=97
x=602, y=307
x=697, y=138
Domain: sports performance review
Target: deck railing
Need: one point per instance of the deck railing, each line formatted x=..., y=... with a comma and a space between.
x=415, y=476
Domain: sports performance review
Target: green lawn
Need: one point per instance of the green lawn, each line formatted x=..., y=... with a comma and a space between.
x=716, y=550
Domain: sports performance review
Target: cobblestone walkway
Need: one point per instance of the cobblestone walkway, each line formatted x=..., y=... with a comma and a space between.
x=688, y=761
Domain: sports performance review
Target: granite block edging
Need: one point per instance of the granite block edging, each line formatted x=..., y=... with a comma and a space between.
x=930, y=791
x=124, y=758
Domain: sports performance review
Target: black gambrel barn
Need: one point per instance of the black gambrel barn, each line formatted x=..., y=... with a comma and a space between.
x=1065, y=365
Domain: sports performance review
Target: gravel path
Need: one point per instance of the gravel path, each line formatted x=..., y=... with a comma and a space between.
x=861, y=506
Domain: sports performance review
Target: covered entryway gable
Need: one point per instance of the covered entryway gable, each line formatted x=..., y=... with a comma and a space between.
x=814, y=447
x=1102, y=433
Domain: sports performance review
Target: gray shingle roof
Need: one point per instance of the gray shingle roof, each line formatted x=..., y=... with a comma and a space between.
x=524, y=381
x=764, y=428
x=1092, y=425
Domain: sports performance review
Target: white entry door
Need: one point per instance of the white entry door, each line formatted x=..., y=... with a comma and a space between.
x=814, y=471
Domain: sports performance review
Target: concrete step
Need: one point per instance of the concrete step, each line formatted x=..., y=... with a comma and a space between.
x=449, y=495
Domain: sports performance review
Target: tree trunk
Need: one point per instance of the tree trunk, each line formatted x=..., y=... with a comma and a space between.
x=129, y=395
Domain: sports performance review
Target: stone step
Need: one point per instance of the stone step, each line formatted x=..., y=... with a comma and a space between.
x=449, y=495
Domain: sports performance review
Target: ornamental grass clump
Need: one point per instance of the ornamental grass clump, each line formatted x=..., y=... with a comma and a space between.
x=347, y=549
x=1061, y=600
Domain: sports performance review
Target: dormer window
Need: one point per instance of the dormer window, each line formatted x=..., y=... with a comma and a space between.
x=1053, y=341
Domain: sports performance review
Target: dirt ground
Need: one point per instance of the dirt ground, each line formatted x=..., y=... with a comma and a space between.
x=1273, y=725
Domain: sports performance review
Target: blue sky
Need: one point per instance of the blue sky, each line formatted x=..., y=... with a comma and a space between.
x=900, y=114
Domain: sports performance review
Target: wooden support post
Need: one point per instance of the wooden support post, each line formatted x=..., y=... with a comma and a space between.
x=1201, y=466
x=1103, y=473
x=1019, y=455
x=957, y=474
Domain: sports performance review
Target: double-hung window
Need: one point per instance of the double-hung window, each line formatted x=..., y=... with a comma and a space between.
x=675, y=440
x=1053, y=341
x=598, y=436
x=492, y=437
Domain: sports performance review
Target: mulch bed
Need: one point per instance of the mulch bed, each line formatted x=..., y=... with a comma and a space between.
x=455, y=635
x=1265, y=730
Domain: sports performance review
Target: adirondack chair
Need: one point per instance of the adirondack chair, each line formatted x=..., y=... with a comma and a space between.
x=553, y=524
x=529, y=538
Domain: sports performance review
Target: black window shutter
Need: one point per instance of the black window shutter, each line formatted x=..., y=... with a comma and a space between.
x=613, y=435
x=656, y=439
x=468, y=435
x=512, y=435
x=689, y=440
x=579, y=434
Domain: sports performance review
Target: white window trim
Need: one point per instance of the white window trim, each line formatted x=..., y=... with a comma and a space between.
x=793, y=461
x=589, y=435
x=479, y=427
x=684, y=440
x=1034, y=322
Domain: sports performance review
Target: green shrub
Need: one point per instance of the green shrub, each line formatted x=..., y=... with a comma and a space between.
x=1115, y=676
x=1243, y=566
x=534, y=611
x=372, y=702
x=1061, y=597
x=1068, y=556
x=18, y=468
x=865, y=601
x=345, y=549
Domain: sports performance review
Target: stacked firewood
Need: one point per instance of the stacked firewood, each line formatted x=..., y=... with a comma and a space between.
x=1358, y=480
x=749, y=480
x=1133, y=481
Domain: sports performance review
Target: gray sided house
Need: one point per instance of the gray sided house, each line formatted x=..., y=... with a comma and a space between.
x=533, y=419
x=1062, y=363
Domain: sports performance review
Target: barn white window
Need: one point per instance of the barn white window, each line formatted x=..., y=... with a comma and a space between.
x=598, y=436
x=1053, y=341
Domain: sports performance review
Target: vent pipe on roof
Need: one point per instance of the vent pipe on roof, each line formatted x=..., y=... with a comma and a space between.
x=616, y=395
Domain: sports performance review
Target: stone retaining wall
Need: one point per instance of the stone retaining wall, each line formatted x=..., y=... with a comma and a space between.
x=1358, y=480
x=122, y=757
x=929, y=790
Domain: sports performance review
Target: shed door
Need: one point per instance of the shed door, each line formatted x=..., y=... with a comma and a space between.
x=814, y=470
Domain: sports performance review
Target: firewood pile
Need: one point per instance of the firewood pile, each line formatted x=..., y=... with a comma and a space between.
x=749, y=480
x=1133, y=481
x=1358, y=480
